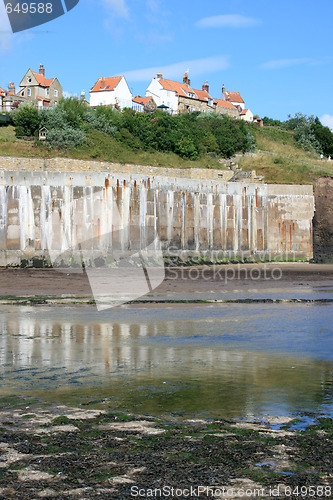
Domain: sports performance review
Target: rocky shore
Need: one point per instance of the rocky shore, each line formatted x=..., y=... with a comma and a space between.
x=65, y=452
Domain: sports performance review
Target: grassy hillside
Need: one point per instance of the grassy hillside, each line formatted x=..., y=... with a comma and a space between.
x=279, y=160
x=100, y=147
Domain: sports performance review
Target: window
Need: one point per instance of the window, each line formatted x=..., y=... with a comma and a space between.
x=29, y=79
x=29, y=92
x=22, y=93
x=47, y=91
x=55, y=93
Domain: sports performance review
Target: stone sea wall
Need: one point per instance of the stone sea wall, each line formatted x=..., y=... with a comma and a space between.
x=112, y=207
x=323, y=221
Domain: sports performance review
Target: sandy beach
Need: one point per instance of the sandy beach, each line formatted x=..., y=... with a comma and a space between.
x=52, y=282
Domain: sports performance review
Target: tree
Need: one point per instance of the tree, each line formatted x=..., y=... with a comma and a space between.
x=26, y=120
x=324, y=136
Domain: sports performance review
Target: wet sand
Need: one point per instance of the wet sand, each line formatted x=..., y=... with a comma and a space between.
x=51, y=282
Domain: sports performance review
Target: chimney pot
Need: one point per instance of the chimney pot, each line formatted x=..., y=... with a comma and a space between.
x=186, y=79
x=206, y=87
x=11, y=87
x=102, y=83
x=159, y=76
x=41, y=70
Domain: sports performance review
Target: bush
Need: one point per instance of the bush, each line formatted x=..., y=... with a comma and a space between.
x=27, y=121
x=65, y=138
x=186, y=149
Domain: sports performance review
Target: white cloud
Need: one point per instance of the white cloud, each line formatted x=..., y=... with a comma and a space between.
x=227, y=21
x=327, y=120
x=69, y=94
x=118, y=7
x=197, y=67
x=289, y=63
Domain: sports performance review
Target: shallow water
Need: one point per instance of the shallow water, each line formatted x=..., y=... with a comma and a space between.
x=213, y=360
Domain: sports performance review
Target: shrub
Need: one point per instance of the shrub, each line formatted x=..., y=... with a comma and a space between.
x=27, y=121
x=65, y=138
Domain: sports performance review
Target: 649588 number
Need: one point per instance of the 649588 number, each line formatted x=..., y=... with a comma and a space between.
x=29, y=8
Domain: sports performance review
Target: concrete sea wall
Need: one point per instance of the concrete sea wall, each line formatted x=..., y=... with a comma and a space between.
x=192, y=217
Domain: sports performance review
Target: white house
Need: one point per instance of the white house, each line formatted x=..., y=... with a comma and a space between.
x=164, y=93
x=234, y=98
x=6, y=98
x=111, y=91
x=142, y=104
x=177, y=97
x=246, y=115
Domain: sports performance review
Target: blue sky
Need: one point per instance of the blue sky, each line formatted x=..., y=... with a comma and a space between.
x=277, y=54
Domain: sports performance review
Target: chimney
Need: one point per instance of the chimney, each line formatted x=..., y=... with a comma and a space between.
x=159, y=76
x=206, y=87
x=102, y=83
x=83, y=95
x=223, y=89
x=41, y=70
x=186, y=79
x=11, y=87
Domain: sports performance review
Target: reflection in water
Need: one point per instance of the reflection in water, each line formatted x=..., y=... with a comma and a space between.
x=239, y=359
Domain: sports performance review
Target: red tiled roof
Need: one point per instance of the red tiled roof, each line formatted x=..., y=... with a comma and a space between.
x=43, y=82
x=180, y=88
x=109, y=84
x=233, y=97
x=40, y=98
x=141, y=100
x=202, y=95
x=244, y=111
x=3, y=92
x=224, y=104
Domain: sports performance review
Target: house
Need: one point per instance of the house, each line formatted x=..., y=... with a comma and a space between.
x=179, y=97
x=225, y=108
x=43, y=92
x=234, y=98
x=143, y=104
x=246, y=115
x=111, y=91
x=8, y=99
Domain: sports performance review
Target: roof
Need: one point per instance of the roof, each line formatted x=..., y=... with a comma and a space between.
x=202, y=95
x=224, y=104
x=4, y=93
x=43, y=82
x=244, y=111
x=109, y=84
x=233, y=97
x=141, y=100
x=40, y=98
x=180, y=88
